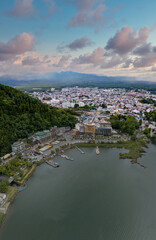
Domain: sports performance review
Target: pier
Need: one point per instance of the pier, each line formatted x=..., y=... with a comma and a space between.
x=66, y=157
x=79, y=149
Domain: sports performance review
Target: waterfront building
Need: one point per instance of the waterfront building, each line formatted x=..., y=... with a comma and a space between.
x=89, y=128
x=105, y=131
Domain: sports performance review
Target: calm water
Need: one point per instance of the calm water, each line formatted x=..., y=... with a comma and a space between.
x=93, y=198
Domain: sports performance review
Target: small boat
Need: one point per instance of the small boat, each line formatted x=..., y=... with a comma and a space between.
x=97, y=150
x=53, y=164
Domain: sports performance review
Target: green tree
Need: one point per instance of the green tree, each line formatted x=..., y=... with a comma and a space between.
x=4, y=186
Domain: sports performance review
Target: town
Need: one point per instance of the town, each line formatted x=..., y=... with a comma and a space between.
x=94, y=108
x=104, y=101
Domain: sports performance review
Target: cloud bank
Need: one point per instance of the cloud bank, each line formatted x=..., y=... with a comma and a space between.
x=20, y=44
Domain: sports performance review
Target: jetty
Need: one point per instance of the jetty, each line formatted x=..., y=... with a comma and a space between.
x=79, y=150
x=52, y=163
x=66, y=157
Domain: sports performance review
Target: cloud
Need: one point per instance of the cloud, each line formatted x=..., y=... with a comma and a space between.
x=112, y=62
x=29, y=61
x=63, y=61
x=127, y=63
x=22, y=8
x=126, y=40
x=89, y=13
x=50, y=7
x=25, y=8
x=76, y=44
x=96, y=57
x=20, y=44
x=146, y=61
x=143, y=49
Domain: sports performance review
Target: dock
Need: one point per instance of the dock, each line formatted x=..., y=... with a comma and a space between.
x=79, y=149
x=66, y=157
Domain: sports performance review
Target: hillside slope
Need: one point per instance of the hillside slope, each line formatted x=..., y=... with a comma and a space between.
x=21, y=115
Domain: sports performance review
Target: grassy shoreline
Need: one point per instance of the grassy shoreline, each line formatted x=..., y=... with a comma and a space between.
x=135, y=148
x=27, y=175
x=11, y=194
x=1, y=218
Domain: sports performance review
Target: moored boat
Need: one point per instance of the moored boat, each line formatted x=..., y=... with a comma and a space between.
x=97, y=150
x=52, y=163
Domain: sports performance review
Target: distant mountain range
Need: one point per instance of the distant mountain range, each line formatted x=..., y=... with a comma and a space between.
x=67, y=79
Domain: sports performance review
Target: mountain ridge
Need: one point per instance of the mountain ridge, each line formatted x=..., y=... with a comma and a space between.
x=71, y=79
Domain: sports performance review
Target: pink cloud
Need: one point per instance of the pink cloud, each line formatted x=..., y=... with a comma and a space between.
x=146, y=61
x=78, y=43
x=22, y=8
x=25, y=8
x=20, y=44
x=96, y=57
x=63, y=61
x=89, y=13
x=125, y=40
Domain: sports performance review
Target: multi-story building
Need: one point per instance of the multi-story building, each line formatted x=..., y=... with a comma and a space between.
x=105, y=131
x=89, y=128
x=18, y=147
x=44, y=136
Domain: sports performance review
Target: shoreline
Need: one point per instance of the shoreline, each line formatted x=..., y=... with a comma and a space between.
x=135, y=151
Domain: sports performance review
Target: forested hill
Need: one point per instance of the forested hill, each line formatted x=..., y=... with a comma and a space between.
x=21, y=115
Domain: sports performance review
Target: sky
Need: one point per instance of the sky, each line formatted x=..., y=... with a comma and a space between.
x=111, y=38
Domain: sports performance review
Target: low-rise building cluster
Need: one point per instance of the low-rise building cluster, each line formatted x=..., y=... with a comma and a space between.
x=94, y=123
x=110, y=101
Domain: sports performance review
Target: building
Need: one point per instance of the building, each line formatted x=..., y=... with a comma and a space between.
x=103, y=128
x=98, y=127
x=105, y=124
x=89, y=128
x=6, y=156
x=2, y=199
x=45, y=148
x=80, y=128
x=42, y=137
x=105, y=131
x=18, y=147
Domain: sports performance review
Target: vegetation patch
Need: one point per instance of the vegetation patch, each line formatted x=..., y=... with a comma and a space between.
x=135, y=148
x=27, y=175
x=1, y=217
x=125, y=124
x=16, y=168
x=11, y=192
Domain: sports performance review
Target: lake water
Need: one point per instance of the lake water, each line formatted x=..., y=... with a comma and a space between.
x=95, y=197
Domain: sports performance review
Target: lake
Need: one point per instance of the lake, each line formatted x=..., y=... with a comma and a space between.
x=94, y=197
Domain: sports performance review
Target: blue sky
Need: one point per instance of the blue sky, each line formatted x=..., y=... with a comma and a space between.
x=92, y=36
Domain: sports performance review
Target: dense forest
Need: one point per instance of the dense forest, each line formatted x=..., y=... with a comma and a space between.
x=21, y=115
